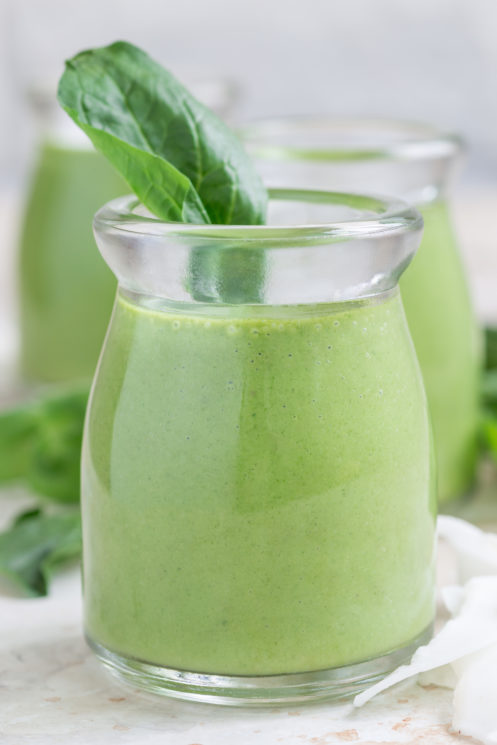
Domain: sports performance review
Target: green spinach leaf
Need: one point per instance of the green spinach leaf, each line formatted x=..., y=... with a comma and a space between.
x=36, y=545
x=54, y=468
x=17, y=432
x=489, y=390
x=40, y=444
x=179, y=158
x=490, y=348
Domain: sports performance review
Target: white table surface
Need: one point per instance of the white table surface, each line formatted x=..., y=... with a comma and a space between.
x=52, y=690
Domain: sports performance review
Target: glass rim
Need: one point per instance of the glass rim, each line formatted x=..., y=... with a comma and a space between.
x=422, y=141
x=376, y=215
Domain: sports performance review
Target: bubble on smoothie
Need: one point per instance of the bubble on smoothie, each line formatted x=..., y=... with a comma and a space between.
x=176, y=324
x=232, y=329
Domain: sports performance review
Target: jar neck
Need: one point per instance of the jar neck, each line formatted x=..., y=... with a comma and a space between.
x=319, y=247
x=418, y=182
x=241, y=311
x=413, y=161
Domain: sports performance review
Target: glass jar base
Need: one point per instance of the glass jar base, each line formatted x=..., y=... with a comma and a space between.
x=267, y=690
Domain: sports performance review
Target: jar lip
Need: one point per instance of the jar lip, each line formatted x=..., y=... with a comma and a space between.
x=327, y=138
x=374, y=215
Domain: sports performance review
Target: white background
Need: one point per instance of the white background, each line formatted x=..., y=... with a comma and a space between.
x=425, y=59
x=433, y=60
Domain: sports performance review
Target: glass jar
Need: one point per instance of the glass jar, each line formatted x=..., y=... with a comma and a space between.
x=59, y=264
x=415, y=162
x=257, y=491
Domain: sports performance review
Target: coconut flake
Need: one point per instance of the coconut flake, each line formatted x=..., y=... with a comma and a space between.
x=463, y=655
x=475, y=710
x=476, y=551
x=473, y=629
x=453, y=598
x=443, y=677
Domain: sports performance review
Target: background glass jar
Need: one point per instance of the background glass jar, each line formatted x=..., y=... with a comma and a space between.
x=66, y=290
x=257, y=490
x=415, y=162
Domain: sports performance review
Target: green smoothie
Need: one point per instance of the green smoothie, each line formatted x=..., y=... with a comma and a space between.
x=443, y=328
x=416, y=162
x=66, y=289
x=257, y=488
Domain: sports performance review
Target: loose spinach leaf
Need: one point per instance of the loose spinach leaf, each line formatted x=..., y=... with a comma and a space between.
x=179, y=158
x=26, y=515
x=56, y=454
x=17, y=432
x=488, y=433
x=40, y=444
x=36, y=545
x=489, y=390
x=491, y=348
